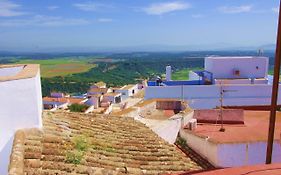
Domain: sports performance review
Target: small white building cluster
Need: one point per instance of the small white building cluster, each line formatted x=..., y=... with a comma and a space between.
x=20, y=105
x=238, y=81
x=99, y=98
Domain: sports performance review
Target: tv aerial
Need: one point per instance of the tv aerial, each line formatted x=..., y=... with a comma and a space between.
x=260, y=52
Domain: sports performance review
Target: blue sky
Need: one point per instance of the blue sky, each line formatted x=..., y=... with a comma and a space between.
x=35, y=25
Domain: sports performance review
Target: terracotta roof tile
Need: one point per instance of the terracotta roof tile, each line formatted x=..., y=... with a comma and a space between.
x=112, y=94
x=100, y=84
x=127, y=87
x=102, y=90
x=114, y=145
x=64, y=100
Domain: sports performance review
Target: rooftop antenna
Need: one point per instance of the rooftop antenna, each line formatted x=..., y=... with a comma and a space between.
x=222, y=129
x=222, y=91
x=260, y=52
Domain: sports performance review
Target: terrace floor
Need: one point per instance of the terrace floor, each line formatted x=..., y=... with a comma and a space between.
x=254, y=129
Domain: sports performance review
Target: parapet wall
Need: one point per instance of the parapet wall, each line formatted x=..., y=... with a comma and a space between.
x=208, y=96
x=230, y=116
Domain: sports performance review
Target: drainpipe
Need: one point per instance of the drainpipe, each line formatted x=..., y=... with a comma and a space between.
x=274, y=97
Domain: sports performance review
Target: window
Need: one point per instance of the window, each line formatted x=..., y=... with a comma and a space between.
x=236, y=72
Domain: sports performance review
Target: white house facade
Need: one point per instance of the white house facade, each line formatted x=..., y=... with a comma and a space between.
x=20, y=104
x=239, y=81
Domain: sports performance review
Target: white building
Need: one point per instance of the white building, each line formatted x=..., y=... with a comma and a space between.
x=20, y=105
x=240, y=81
x=94, y=100
x=240, y=144
x=112, y=97
x=128, y=91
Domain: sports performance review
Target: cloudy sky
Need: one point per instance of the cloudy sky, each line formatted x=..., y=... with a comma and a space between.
x=38, y=25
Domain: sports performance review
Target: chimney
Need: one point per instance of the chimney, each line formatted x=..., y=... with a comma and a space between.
x=168, y=73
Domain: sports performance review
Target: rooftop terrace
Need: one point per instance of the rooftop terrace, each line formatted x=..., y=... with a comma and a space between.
x=255, y=129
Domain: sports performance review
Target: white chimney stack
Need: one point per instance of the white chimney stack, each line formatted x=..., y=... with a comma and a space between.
x=168, y=73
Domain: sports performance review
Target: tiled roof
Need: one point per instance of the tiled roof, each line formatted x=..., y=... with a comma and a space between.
x=100, y=84
x=102, y=90
x=53, y=99
x=127, y=87
x=63, y=100
x=116, y=145
x=112, y=94
x=94, y=95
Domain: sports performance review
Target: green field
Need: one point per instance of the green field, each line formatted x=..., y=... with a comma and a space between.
x=60, y=67
x=183, y=74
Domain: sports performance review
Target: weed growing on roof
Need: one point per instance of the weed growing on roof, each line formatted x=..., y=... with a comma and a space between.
x=74, y=157
x=95, y=147
x=110, y=149
x=80, y=146
x=181, y=142
x=81, y=143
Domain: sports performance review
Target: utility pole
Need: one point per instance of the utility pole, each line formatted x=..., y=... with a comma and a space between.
x=274, y=96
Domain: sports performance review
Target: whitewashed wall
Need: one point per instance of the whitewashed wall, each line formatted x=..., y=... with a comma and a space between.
x=124, y=94
x=193, y=76
x=10, y=71
x=20, y=107
x=201, y=146
x=232, y=154
x=233, y=81
x=222, y=67
x=207, y=96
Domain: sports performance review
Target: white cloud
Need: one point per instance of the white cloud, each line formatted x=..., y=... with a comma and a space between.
x=236, y=9
x=91, y=6
x=105, y=20
x=162, y=8
x=48, y=21
x=275, y=9
x=8, y=9
x=197, y=16
x=52, y=7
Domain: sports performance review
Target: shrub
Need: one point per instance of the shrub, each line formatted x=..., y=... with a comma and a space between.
x=78, y=107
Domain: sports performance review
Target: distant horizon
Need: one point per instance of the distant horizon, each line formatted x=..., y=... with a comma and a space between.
x=147, y=48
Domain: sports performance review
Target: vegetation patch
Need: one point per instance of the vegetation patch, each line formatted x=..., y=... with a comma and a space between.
x=81, y=143
x=74, y=157
x=78, y=107
x=80, y=146
x=183, y=74
x=181, y=142
x=60, y=67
